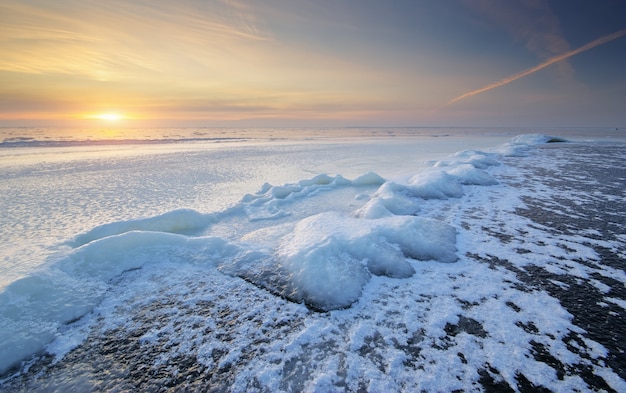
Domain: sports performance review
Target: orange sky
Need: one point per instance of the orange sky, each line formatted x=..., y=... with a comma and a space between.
x=285, y=63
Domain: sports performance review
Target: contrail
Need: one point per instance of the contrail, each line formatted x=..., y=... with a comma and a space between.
x=549, y=62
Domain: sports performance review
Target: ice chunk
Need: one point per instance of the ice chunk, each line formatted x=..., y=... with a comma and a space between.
x=182, y=221
x=374, y=208
x=477, y=159
x=435, y=184
x=326, y=276
x=390, y=198
x=370, y=178
x=468, y=174
x=329, y=257
x=321, y=180
x=266, y=203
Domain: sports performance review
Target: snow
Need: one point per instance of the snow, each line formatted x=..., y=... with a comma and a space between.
x=364, y=274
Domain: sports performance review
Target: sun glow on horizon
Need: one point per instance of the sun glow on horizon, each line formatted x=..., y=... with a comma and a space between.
x=109, y=116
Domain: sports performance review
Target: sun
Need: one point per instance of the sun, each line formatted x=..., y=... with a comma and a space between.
x=109, y=116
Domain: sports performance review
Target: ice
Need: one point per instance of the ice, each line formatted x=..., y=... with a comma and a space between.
x=329, y=257
x=390, y=198
x=518, y=146
x=408, y=267
x=183, y=221
x=265, y=204
x=324, y=260
x=536, y=139
x=33, y=308
x=469, y=174
x=477, y=159
x=435, y=184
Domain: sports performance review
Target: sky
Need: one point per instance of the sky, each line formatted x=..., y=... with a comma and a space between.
x=293, y=63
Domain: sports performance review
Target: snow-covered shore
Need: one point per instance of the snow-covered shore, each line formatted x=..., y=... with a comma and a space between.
x=447, y=278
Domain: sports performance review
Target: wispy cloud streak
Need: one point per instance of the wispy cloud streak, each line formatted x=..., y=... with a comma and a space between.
x=547, y=63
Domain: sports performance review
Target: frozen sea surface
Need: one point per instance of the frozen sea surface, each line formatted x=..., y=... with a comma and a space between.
x=499, y=269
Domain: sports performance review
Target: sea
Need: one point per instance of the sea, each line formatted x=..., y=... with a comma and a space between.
x=353, y=259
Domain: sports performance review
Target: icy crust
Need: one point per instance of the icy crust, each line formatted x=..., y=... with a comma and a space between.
x=318, y=253
x=183, y=221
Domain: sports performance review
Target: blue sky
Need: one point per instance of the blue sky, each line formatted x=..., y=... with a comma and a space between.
x=313, y=63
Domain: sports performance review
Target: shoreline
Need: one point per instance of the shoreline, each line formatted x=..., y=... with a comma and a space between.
x=510, y=293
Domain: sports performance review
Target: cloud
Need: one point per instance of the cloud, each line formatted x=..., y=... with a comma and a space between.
x=119, y=39
x=541, y=66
